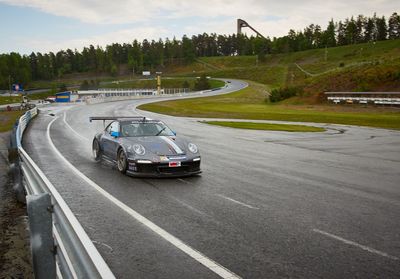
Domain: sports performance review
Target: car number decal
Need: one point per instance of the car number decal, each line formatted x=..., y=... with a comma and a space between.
x=174, y=164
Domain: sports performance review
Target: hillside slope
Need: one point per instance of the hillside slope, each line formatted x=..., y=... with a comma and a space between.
x=361, y=67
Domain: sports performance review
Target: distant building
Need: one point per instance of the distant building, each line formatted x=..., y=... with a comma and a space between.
x=63, y=97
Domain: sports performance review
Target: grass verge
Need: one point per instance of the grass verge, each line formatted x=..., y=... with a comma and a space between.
x=165, y=83
x=266, y=126
x=8, y=119
x=249, y=103
x=4, y=100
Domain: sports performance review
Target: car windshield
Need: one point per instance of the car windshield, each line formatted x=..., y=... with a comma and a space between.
x=145, y=129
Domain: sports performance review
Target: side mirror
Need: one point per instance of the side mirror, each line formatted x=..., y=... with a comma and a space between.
x=115, y=134
x=174, y=133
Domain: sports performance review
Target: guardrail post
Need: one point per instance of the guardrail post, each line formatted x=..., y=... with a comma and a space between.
x=15, y=167
x=18, y=186
x=41, y=230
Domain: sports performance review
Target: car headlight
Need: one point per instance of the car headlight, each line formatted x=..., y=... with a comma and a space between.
x=193, y=148
x=139, y=149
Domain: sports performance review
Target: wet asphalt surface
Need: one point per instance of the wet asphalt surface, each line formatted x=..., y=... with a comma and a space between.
x=268, y=204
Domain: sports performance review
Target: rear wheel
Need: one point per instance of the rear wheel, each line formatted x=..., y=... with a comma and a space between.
x=97, y=154
x=122, y=163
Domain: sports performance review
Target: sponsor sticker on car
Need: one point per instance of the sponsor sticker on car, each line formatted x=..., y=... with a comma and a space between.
x=164, y=159
x=174, y=164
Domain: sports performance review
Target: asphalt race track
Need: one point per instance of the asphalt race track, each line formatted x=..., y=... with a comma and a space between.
x=268, y=204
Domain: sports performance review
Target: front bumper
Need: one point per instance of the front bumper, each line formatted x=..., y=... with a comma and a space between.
x=187, y=168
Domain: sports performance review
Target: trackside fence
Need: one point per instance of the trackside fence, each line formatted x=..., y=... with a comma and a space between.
x=111, y=95
x=60, y=246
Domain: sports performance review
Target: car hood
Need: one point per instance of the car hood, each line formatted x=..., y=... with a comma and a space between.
x=159, y=145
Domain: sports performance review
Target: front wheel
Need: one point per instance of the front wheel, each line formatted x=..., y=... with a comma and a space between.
x=122, y=163
x=97, y=154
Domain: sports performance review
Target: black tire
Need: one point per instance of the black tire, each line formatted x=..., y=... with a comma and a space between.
x=122, y=163
x=96, y=150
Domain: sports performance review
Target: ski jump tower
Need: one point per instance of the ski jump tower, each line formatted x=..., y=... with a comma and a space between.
x=241, y=23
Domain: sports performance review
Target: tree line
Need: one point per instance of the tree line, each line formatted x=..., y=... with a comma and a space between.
x=149, y=55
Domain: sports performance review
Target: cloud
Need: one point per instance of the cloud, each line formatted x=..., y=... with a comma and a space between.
x=132, y=11
x=169, y=18
x=121, y=36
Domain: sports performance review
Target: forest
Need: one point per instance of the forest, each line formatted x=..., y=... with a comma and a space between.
x=150, y=55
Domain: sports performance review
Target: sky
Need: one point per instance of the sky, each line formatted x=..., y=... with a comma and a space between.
x=52, y=25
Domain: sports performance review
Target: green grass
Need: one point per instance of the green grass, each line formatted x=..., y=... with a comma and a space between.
x=249, y=103
x=230, y=61
x=279, y=70
x=266, y=126
x=315, y=60
x=4, y=100
x=274, y=76
x=8, y=119
x=40, y=96
x=165, y=83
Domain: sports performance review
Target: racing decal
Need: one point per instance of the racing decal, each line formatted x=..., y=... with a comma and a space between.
x=175, y=157
x=174, y=164
x=172, y=144
x=164, y=159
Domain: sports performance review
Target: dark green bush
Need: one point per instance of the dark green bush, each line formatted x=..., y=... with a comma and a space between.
x=284, y=93
x=202, y=83
x=186, y=84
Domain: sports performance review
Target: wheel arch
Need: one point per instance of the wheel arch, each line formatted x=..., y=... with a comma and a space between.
x=121, y=147
x=96, y=139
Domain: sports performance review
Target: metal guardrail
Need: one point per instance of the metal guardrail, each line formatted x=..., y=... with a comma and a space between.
x=117, y=91
x=366, y=100
x=74, y=254
x=105, y=95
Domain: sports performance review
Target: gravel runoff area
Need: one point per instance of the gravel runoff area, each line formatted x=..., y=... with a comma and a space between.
x=15, y=257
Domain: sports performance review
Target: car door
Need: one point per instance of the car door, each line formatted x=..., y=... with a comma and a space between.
x=110, y=143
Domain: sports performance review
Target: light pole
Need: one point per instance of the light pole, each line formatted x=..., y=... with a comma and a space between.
x=158, y=82
x=9, y=83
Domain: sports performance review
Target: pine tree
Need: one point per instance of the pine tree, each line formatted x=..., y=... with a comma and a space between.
x=34, y=65
x=369, y=30
x=381, y=29
x=394, y=26
x=188, y=50
x=309, y=36
x=341, y=34
x=360, y=23
x=375, y=28
x=317, y=37
x=260, y=48
x=328, y=36
x=351, y=30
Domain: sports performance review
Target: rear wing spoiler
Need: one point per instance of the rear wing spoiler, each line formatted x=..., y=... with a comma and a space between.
x=104, y=118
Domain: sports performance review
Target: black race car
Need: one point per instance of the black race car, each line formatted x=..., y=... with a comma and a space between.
x=145, y=147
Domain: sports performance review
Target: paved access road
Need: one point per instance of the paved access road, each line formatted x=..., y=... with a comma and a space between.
x=268, y=204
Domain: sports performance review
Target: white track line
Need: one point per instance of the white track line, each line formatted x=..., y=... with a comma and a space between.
x=75, y=132
x=238, y=202
x=363, y=247
x=196, y=255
